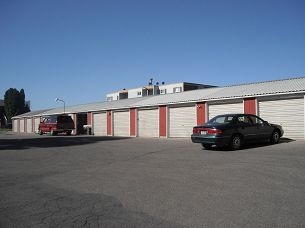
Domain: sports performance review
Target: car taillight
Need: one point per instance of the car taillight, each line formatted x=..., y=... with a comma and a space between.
x=206, y=131
x=196, y=130
x=214, y=131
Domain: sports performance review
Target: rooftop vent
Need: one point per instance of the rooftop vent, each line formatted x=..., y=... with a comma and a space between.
x=150, y=81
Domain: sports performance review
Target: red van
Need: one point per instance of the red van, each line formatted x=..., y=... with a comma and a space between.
x=55, y=124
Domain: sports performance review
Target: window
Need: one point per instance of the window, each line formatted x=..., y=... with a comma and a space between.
x=256, y=120
x=49, y=119
x=139, y=93
x=177, y=89
x=225, y=119
x=244, y=119
x=163, y=91
x=109, y=98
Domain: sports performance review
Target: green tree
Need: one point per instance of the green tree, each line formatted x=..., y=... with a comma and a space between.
x=14, y=103
x=25, y=107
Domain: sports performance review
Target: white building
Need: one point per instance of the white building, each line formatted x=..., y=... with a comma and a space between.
x=157, y=89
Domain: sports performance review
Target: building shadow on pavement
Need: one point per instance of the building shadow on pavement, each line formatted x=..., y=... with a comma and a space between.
x=28, y=202
x=53, y=141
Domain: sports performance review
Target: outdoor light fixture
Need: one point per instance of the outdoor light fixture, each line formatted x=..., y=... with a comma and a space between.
x=57, y=99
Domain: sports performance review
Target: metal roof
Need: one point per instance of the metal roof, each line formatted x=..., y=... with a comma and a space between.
x=295, y=85
x=285, y=86
x=98, y=106
x=32, y=113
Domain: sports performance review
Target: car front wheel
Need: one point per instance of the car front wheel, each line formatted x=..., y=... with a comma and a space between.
x=236, y=142
x=275, y=137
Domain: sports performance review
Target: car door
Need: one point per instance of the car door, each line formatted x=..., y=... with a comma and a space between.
x=262, y=129
x=245, y=127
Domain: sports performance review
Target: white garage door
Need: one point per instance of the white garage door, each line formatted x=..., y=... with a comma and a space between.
x=148, y=123
x=121, y=123
x=21, y=125
x=36, y=122
x=15, y=125
x=218, y=109
x=29, y=125
x=288, y=113
x=181, y=121
x=100, y=124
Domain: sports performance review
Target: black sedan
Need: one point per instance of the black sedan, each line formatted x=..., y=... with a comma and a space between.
x=234, y=130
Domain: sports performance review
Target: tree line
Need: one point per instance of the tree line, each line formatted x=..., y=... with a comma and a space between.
x=14, y=104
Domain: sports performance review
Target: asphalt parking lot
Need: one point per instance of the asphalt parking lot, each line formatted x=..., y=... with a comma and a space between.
x=87, y=181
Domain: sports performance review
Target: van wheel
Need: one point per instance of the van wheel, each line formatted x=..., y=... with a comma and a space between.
x=275, y=137
x=52, y=132
x=69, y=132
x=236, y=142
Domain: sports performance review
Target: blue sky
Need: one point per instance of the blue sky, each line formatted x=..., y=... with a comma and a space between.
x=80, y=50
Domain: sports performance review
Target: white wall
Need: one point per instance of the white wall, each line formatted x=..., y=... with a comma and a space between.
x=115, y=96
x=170, y=87
x=134, y=92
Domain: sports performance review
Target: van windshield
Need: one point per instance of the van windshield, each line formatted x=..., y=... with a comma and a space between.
x=64, y=119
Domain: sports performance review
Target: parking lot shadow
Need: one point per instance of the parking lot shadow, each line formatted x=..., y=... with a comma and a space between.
x=51, y=141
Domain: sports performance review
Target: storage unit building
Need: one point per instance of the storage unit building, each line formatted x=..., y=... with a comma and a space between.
x=174, y=115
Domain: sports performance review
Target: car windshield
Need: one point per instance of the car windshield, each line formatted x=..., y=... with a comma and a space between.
x=220, y=120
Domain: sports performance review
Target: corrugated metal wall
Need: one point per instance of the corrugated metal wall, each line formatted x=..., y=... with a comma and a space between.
x=29, y=125
x=218, y=109
x=288, y=113
x=181, y=121
x=37, y=121
x=100, y=124
x=148, y=122
x=121, y=123
x=21, y=124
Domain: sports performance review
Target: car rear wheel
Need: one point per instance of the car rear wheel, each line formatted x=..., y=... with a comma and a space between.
x=275, y=137
x=69, y=132
x=236, y=142
x=206, y=146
